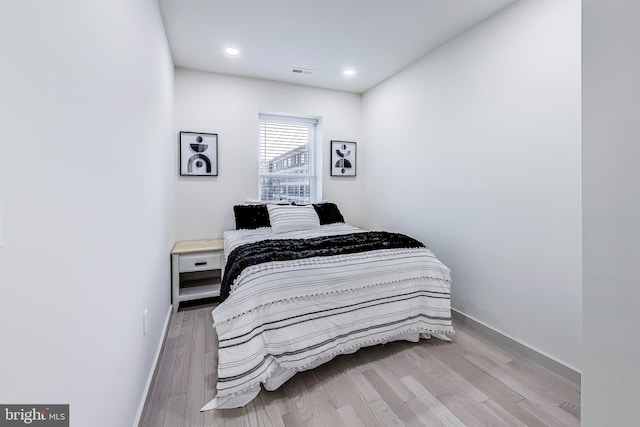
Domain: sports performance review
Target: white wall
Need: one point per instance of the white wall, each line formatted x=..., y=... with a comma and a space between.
x=229, y=106
x=611, y=212
x=86, y=175
x=475, y=149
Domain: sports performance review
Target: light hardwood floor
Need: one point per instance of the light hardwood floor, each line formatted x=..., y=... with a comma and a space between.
x=469, y=382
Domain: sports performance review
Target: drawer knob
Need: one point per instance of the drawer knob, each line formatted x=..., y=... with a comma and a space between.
x=201, y=263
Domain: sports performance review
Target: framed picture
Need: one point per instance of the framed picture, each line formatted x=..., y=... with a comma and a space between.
x=198, y=154
x=343, y=158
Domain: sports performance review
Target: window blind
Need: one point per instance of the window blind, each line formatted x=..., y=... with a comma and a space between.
x=287, y=161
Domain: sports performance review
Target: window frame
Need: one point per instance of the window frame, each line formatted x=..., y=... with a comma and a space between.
x=313, y=157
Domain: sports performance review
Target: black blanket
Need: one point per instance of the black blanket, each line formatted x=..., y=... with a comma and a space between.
x=291, y=249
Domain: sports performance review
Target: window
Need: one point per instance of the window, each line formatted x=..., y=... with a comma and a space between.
x=284, y=141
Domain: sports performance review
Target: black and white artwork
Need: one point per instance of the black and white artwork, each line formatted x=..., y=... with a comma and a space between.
x=198, y=154
x=343, y=158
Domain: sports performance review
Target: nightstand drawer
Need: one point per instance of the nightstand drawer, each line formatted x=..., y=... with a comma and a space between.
x=200, y=261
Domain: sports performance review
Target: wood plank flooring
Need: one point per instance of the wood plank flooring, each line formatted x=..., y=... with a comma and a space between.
x=469, y=382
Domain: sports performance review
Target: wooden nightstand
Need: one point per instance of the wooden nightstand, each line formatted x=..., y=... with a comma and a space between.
x=188, y=259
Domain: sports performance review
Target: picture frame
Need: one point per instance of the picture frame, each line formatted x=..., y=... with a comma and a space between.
x=343, y=158
x=198, y=154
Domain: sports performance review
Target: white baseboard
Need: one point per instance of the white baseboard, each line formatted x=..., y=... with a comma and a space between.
x=516, y=346
x=143, y=399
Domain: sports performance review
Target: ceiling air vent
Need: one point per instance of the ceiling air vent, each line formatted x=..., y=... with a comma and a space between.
x=303, y=71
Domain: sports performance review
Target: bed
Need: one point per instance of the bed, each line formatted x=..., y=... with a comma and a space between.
x=301, y=287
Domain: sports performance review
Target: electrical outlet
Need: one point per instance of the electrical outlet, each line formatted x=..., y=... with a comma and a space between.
x=144, y=322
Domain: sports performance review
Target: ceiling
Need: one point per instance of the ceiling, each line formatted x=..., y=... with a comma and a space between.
x=376, y=38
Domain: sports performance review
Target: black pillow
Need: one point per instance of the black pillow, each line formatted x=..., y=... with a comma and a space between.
x=251, y=216
x=328, y=213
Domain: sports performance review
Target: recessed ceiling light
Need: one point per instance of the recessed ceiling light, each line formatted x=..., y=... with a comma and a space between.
x=349, y=72
x=232, y=51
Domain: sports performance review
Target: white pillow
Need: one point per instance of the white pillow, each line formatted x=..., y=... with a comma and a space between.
x=292, y=218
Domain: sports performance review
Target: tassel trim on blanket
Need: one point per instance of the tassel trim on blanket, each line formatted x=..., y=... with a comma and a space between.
x=325, y=358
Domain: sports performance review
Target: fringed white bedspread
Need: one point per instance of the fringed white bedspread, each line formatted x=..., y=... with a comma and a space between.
x=288, y=316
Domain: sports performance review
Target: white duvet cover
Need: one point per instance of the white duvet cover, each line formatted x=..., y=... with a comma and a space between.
x=283, y=317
